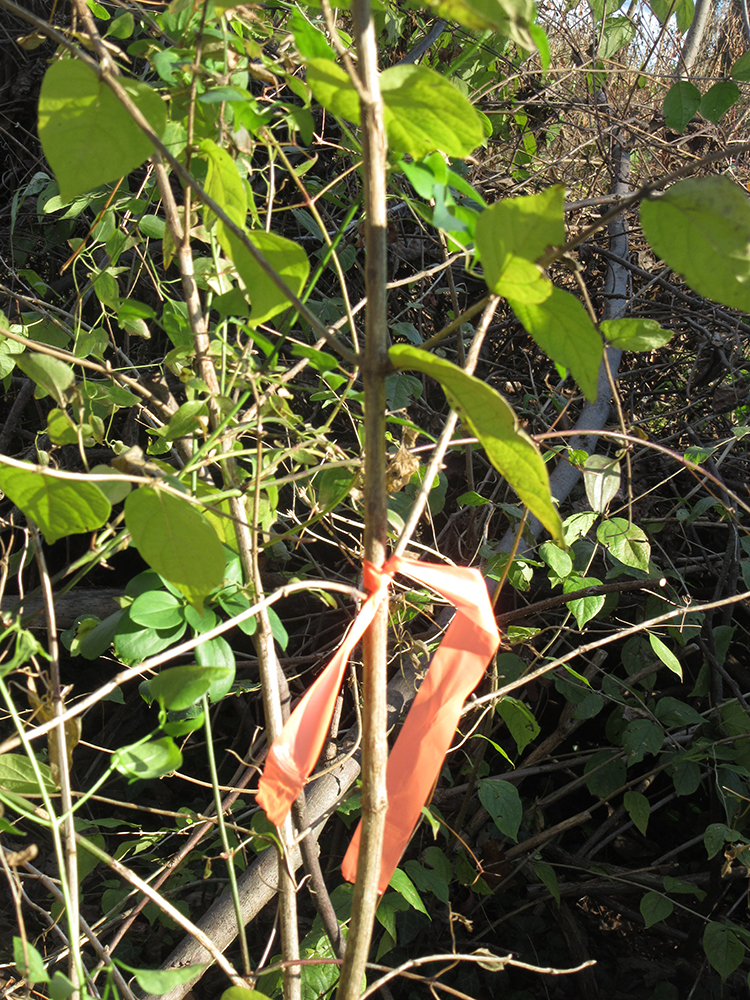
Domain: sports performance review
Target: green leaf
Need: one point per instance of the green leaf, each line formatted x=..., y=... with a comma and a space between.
x=635, y=334
x=160, y=981
x=639, y=810
x=701, y=228
x=601, y=477
x=423, y=110
x=176, y=540
x=333, y=486
x=514, y=233
x=741, y=69
x=665, y=654
x=583, y=608
x=50, y=374
x=157, y=609
x=686, y=776
x=492, y=420
x=642, y=736
x=678, y=887
x=217, y=653
x=655, y=907
x=520, y=721
x=563, y=330
x=626, y=542
x=512, y=18
x=503, y=803
x=719, y=99
x=672, y=712
x=177, y=688
x=238, y=993
x=616, y=33
x=33, y=971
x=723, y=949
x=223, y=184
x=288, y=259
x=605, y=774
x=310, y=41
x=546, y=874
x=147, y=760
x=87, y=136
x=60, y=987
x=403, y=885
x=59, y=507
x=715, y=836
x=17, y=775
x=427, y=880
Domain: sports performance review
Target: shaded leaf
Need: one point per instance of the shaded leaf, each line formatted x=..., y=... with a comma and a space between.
x=655, y=907
x=723, y=948
x=503, y=803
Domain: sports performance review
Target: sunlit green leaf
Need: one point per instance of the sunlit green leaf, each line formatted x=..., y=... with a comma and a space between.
x=176, y=540
x=288, y=259
x=423, y=110
x=160, y=981
x=697, y=223
x=512, y=18
x=87, y=136
x=718, y=99
x=515, y=232
x=635, y=334
x=563, y=330
x=58, y=506
x=627, y=542
x=147, y=760
x=493, y=421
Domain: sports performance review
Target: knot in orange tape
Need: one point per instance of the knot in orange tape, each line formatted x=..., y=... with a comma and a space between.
x=417, y=756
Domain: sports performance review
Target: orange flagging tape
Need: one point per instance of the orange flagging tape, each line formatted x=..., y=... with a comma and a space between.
x=417, y=756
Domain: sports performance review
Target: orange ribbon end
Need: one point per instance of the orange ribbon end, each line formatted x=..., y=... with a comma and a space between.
x=417, y=756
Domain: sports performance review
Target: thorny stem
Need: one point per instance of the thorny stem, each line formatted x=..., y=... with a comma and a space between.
x=374, y=646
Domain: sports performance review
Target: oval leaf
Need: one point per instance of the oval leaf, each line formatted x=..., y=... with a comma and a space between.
x=681, y=104
x=563, y=330
x=503, y=803
x=58, y=506
x=601, y=477
x=177, y=688
x=147, y=760
x=723, y=949
x=423, y=110
x=288, y=259
x=87, y=136
x=176, y=540
x=701, y=228
x=493, y=421
x=655, y=907
x=719, y=99
x=635, y=334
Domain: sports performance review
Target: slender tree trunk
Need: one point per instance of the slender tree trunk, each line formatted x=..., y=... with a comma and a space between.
x=374, y=741
x=694, y=37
